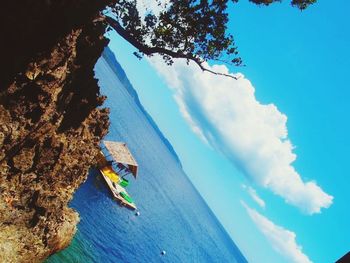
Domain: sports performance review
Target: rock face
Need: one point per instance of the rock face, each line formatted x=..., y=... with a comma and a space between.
x=50, y=123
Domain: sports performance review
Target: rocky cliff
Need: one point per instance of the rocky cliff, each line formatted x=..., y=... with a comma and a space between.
x=50, y=120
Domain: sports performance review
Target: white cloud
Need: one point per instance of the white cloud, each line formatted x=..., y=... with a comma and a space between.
x=225, y=113
x=153, y=6
x=282, y=240
x=254, y=195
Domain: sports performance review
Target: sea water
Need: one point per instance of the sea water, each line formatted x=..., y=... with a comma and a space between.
x=173, y=216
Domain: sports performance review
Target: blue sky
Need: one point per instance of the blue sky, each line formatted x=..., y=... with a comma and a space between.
x=291, y=103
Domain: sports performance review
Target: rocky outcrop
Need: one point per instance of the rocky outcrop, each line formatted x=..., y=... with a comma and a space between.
x=50, y=121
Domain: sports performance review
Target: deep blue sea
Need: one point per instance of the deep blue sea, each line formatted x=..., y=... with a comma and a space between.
x=173, y=216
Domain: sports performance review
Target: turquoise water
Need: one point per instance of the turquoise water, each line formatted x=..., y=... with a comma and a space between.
x=173, y=216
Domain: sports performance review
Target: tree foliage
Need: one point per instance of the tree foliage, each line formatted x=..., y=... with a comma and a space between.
x=301, y=4
x=192, y=29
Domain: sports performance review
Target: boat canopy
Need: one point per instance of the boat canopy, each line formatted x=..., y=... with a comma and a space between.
x=121, y=154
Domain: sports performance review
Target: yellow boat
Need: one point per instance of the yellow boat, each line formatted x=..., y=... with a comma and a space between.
x=110, y=173
x=120, y=155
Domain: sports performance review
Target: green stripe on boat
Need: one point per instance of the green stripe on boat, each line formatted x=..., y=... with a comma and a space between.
x=126, y=197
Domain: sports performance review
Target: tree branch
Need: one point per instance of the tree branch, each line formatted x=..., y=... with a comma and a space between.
x=147, y=50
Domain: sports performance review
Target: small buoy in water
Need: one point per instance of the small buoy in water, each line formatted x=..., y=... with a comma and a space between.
x=137, y=213
x=163, y=252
